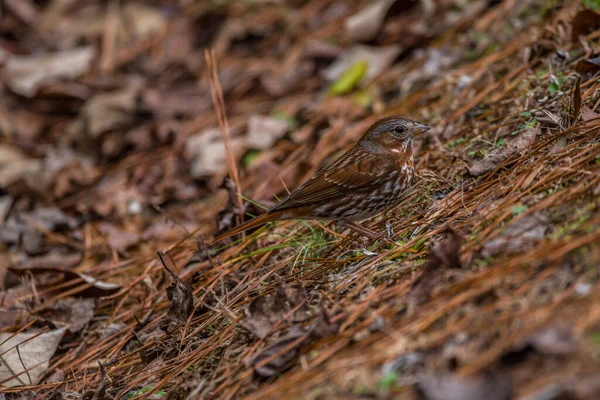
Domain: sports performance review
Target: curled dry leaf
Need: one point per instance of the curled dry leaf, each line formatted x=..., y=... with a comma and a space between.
x=266, y=311
x=521, y=235
x=26, y=74
x=180, y=294
x=27, y=365
x=496, y=157
x=88, y=286
x=454, y=387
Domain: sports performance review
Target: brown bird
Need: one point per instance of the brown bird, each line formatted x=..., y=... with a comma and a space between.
x=369, y=178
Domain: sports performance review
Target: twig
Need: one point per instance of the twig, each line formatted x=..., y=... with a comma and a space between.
x=216, y=92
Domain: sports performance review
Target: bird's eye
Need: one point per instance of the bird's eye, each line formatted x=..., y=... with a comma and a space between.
x=399, y=129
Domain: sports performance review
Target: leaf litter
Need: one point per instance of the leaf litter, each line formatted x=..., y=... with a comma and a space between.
x=111, y=154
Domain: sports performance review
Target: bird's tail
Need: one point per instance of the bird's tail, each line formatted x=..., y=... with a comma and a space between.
x=253, y=223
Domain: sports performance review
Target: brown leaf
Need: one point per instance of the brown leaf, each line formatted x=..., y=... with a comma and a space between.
x=13, y=312
x=454, y=387
x=72, y=313
x=19, y=173
x=521, y=235
x=180, y=294
x=26, y=74
x=263, y=131
x=118, y=239
x=367, y=23
x=275, y=357
x=443, y=254
x=588, y=115
x=496, y=157
x=176, y=102
x=27, y=365
x=25, y=229
x=106, y=112
x=584, y=22
x=287, y=303
x=446, y=251
x=207, y=152
x=588, y=66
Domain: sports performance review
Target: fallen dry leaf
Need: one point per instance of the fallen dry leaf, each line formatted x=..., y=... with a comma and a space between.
x=588, y=66
x=555, y=340
x=266, y=311
x=496, y=157
x=366, y=23
x=454, y=387
x=88, y=285
x=274, y=357
x=118, y=239
x=27, y=365
x=26, y=229
x=584, y=22
x=143, y=19
x=176, y=101
x=264, y=131
x=519, y=236
x=551, y=341
x=589, y=115
x=106, y=112
x=16, y=169
x=180, y=294
x=443, y=254
x=207, y=152
x=26, y=74
x=71, y=313
x=447, y=250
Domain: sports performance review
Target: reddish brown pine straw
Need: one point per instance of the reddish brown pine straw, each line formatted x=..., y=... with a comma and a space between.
x=496, y=302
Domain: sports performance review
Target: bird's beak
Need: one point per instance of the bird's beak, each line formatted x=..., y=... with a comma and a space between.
x=420, y=128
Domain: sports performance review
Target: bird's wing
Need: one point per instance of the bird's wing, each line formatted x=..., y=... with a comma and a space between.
x=353, y=170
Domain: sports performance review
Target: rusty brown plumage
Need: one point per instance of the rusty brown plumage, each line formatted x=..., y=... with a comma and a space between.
x=369, y=178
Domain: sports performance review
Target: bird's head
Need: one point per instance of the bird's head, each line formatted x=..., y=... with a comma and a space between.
x=393, y=133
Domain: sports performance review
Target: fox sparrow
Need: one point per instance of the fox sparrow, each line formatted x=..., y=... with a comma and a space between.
x=369, y=178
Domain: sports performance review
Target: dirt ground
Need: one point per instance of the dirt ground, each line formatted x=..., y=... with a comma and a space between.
x=132, y=132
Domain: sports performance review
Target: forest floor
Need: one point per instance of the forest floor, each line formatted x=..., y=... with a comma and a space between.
x=120, y=122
